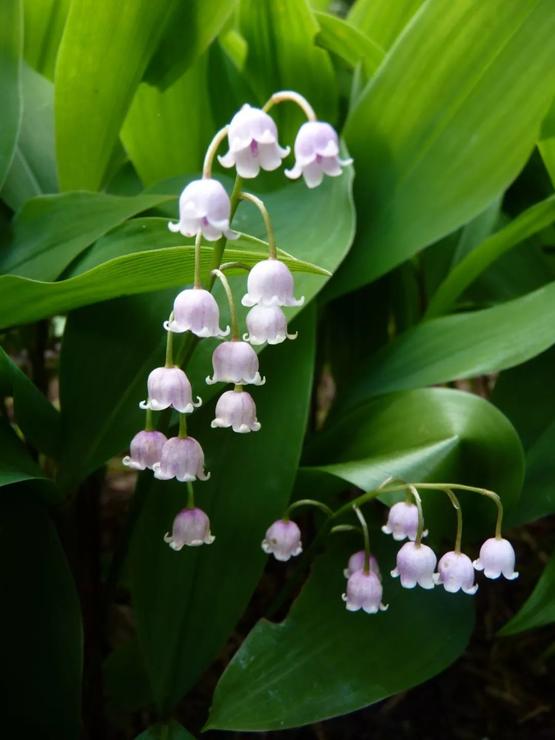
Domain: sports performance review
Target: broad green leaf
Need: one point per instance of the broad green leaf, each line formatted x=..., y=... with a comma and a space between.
x=382, y=20
x=539, y=608
x=461, y=346
x=41, y=660
x=546, y=143
x=323, y=661
x=16, y=465
x=105, y=49
x=44, y=22
x=349, y=44
x=477, y=230
x=445, y=125
x=11, y=42
x=165, y=731
x=538, y=217
x=126, y=686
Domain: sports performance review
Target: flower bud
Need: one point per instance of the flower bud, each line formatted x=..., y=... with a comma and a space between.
x=235, y=362
x=283, y=540
x=236, y=409
x=364, y=591
x=253, y=143
x=316, y=153
x=415, y=565
x=270, y=283
x=402, y=521
x=455, y=572
x=497, y=557
x=169, y=386
x=204, y=207
x=145, y=449
x=181, y=458
x=197, y=311
x=356, y=563
x=267, y=324
x=190, y=527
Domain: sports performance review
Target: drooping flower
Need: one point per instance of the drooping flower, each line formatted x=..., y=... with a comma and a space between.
x=356, y=563
x=283, y=540
x=190, y=527
x=235, y=362
x=181, y=458
x=415, y=565
x=196, y=310
x=145, y=450
x=455, y=572
x=267, y=324
x=402, y=521
x=169, y=386
x=497, y=557
x=364, y=591
x=316, y=153
x=236, y=409
x=270, y=283
x=204, y=207
x=253, y=143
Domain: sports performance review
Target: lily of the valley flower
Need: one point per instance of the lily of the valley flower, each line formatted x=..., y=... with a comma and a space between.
x=196, y=310
x=316, y=153
x=270, y=283
x=236, y=409
x=402, y=521
x=283, y=540
x=456, y=572
x=169, y=386
x=267, y=324
x=415, y=565
x=235, y=362
x=145, y=450
x=497, y=557
x=204, y=207
x=190, y=527
x=181, y=458
x=357, y=562
x=364, y=591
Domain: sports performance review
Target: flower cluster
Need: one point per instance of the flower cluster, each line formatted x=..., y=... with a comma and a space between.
x=205, y=212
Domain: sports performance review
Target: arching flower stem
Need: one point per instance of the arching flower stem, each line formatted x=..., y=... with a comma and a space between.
x=289, y=95
x=366, y=537
x=250, y=198
x=457, y=506
x=231, y=302
x=211, y=152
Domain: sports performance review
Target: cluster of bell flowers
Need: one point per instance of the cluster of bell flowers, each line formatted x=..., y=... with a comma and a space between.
x=416, y=563
x=205, y=212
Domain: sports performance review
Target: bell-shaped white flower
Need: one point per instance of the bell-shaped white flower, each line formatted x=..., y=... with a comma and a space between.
x=415, y=565
x=497, y=557
x=190, y=527
x=196, y=310
x=357, y=562
x=253, y=143
x=169, y=387
x=316, y=153
x=182, y=458
x=402, y=521
x=283, y=540
x=364, y=591
x=270, y=283
x=236, y=409
x=145, y=450
x=235, y=362
x=267, y=324
x=204, y=207
x=455, y=572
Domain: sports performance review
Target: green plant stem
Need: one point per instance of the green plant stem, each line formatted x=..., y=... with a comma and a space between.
x=211, y=152
x=182, y=426
x=457, y=506
x=418, y=502
x=366, y=537
x=259, y=203
x=169, y=347
x=231, y=303
x=149, y=421
x=294, y=97
x=345, y=528
x=307, y=502
x=198, y=241
x=234, y=266
x=190, y=496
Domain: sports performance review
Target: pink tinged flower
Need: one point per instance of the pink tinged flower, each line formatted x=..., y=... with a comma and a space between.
x=364, y=591
x=204, y=207
x=197, y=311
x=236, y=409
x=169, y=386
x=270, y=283
x=181, y=458
x=235, y=362
x=497, y=557
x=415, y=565
x=402, y=521
x=145, y=449
x=356, y=563
x=190, y=527
x=253, y=143
x=267, y=324
x=455, y=572
x=283, y=540
x=316, y=153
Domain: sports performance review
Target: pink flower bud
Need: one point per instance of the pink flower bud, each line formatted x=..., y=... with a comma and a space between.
x=415, y=565
x=455, y=572
x=235, y=362
x=196, y=310
x=316, y=153
x=270, y=283
x=145, y=449
x=364, y=591
x=253, y=143
x=497, y=557
x=356, y=563
x=190, y=527
x=204, y=207
x=267, y=324
x=236, y=409
x=169, y=386
x=402, y=521
x=283, y=540
x=181, y=458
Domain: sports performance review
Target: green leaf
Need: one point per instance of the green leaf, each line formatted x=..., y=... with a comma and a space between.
x=41, y=660
x=44, y=22
x=382, y=20
x=445, y=125
x=166, y=731
x=343, y=40
x=11, y=42
x=539, y=608
x=546, y=144
x=462, y=345
x=16, y=465
x=323, y=661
